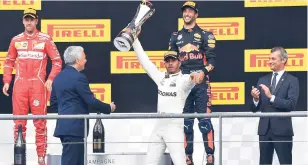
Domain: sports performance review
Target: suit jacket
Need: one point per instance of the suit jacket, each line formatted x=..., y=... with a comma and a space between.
x=71, y=95
x=286, y=95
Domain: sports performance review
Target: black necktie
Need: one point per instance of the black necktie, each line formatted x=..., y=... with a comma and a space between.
x=273, y=86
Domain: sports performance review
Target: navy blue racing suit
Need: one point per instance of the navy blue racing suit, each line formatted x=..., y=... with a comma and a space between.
x=196, y=50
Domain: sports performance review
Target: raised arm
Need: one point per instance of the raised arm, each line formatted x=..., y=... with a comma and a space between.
x=146, y=63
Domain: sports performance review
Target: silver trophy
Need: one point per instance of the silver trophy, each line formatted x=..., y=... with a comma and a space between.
x=125, y=39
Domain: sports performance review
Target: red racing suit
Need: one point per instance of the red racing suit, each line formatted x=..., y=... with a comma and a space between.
x=30, y=54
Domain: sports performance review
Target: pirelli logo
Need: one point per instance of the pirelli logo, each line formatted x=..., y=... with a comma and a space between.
x=257, y=60
x=274, y=3
x=2, y=60
x=73, y=30
x=102, y=92
x=228, y=93
x=224, y=28
x=20, y=4
x=127, y=62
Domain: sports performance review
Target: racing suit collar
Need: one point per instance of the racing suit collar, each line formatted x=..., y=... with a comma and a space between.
x=31, y=36
x=168, y=75
x=192, y=29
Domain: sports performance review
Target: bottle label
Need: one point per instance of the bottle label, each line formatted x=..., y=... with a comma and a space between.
x=95, y=144
x=18, y=159
x=99, y=143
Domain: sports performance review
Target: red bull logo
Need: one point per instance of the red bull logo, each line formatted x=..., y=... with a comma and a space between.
x=188, y=48
x=189, y=51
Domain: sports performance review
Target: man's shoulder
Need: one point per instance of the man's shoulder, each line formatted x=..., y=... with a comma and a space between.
x=185, y=76
x=18, y=37
x=291, y=77
x=265, y=77
x=69, y=73
x=175, y=34
x=208, y=34
x=44, y=35
x=202, y=30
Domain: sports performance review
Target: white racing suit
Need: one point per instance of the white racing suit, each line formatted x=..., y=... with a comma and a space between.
x=173, y=89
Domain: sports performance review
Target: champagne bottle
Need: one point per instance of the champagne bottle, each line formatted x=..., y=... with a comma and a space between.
x=20, y=148
x=98, y=136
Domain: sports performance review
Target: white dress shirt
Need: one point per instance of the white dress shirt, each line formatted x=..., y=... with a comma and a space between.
x=280, y=73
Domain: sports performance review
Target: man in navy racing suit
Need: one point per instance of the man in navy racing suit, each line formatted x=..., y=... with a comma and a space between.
x=196, y=49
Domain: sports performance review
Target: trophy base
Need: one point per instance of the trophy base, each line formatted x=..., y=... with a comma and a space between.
x=124, y=41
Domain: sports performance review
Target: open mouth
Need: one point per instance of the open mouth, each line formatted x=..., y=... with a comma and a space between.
x=187, y=17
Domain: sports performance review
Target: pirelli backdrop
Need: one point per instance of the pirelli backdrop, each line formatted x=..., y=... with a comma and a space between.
x=245, y=32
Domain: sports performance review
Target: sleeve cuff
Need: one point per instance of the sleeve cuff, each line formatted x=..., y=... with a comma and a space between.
x=272, y=99
x=110, y=109
x=6, y=81
x=205, y=71
x=255, y=102
x=51, y=77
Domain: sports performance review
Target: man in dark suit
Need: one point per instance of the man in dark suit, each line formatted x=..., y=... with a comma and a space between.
x=276, y=92
x=71, y=95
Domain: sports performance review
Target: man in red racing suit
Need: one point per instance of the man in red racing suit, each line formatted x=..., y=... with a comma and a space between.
x=30, y=87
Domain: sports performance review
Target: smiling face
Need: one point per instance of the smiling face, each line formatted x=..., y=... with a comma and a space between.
x=277, y=61
x=189, y=15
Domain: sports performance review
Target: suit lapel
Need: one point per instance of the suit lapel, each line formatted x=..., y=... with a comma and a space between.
x=282, y=79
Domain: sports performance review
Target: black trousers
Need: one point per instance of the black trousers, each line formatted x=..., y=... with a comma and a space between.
x=73, y=152
x=283, y=149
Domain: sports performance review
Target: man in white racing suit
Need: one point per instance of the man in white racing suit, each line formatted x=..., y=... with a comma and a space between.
x=173, y=89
